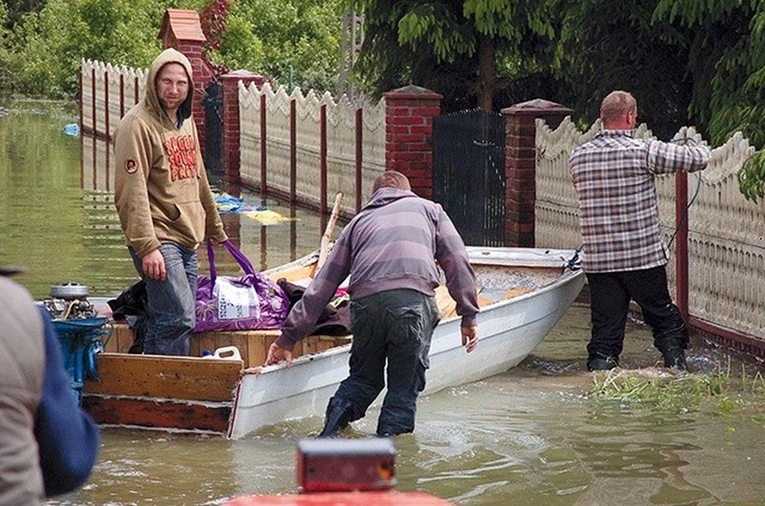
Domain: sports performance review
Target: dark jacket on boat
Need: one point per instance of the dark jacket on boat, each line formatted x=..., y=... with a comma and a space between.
x=48, y=444
x=392, y=244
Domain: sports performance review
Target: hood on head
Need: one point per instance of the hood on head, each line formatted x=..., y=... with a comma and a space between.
x=169, y=55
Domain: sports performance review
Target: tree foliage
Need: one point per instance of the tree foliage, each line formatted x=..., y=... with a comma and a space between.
x=295, y=40
x=45, y=41
x=605, y=49
x=688, y=62
x=727, y=64
x=464, y=49
x=46, y=51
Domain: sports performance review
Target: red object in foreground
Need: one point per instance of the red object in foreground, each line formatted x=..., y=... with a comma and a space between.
x=386, y=498
x=344, y=472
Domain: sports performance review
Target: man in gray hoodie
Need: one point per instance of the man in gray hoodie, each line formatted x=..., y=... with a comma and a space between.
x=390, y=251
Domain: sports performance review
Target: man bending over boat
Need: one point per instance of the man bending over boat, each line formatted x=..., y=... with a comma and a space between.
x=388, y=250
x=164, y=201
x=624, y=256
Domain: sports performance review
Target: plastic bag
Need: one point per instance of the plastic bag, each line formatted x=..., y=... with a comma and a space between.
x=248, y=302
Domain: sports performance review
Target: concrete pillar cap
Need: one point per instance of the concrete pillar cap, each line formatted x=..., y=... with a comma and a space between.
x=412, y=91
x=537, y=105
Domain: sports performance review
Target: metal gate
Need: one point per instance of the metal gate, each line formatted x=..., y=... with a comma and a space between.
x=213, y=103
x=469, y=174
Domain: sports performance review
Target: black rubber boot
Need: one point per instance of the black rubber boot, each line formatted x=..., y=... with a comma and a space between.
x=602, y=363
x=675, y=358
x=338, y=416
x=672, y=347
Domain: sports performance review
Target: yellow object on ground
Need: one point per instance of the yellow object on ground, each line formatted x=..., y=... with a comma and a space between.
x=267, y=217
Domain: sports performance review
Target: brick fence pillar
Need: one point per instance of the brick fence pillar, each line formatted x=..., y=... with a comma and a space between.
x=231, y=128
x=520, y=165
x=181, y=29
x=409, y=113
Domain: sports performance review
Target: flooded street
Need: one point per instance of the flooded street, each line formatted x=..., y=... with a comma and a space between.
x=533, y=435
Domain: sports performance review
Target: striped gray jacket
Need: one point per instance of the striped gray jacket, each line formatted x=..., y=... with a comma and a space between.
x=393, y=243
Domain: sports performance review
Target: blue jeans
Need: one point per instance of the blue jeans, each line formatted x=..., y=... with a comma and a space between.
x=170, y=304
x=396, y=327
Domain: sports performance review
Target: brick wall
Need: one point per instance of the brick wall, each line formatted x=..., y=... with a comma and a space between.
x=409, y=131
x=520, y=166
x=231, y=128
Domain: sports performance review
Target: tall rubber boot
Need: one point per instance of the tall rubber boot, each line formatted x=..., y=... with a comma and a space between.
x=337, y=417
x=672, y=346
x=671, y=338
x=675, y=358
x=601, y=362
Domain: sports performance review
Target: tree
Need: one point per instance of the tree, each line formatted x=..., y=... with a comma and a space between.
x=460, y=48
x=727, y=62
x=294, y=41
x=605, y=47
x=46, y=52
x=42, y=54
x=15, y=10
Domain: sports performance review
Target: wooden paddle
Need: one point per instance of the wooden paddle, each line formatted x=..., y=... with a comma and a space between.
x=326, y=239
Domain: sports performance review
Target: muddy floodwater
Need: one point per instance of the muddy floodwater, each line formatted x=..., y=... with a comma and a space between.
x=533, y=435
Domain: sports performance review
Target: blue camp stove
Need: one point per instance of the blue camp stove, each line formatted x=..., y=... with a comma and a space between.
x=80, y=332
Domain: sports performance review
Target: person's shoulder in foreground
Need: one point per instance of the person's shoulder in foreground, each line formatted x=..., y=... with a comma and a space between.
x=48, y=445
x=68, y=438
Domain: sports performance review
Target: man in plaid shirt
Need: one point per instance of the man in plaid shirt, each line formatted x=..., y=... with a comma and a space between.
x=624, y=255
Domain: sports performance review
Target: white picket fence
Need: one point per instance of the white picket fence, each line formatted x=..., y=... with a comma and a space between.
x=341, y=142
x=108, y=91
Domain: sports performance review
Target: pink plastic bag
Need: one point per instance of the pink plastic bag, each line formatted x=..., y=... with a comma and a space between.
x=248, y=302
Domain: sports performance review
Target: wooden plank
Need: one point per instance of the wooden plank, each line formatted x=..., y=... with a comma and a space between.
x=446, y=304
x=483, y=301
x=165, y=377
x=516, y=292
x=252, y=344
x=317, y=344
x=327, y=237
x=149, y=413
x=294, y=275
x=121, y=338
x=257, y=349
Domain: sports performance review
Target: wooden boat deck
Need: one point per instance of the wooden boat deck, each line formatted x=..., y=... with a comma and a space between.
x=252, y=344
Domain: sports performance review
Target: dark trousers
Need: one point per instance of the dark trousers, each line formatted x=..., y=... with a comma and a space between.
x=610, y=295
x=396, y=327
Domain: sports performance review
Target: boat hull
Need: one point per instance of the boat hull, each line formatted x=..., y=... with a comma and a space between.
x=508, y=332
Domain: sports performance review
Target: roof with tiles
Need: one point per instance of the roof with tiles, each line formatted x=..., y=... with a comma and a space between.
x=183, y=24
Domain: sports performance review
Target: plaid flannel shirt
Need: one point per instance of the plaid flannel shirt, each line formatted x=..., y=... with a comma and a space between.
x=618, y=216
